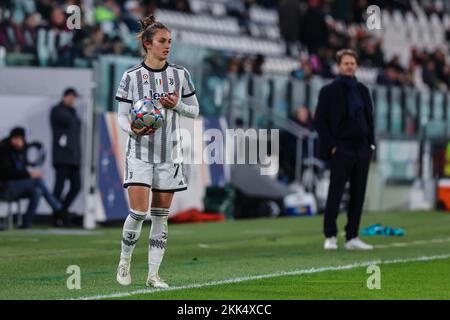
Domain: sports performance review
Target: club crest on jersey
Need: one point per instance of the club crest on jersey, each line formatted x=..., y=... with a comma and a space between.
x=171, y=81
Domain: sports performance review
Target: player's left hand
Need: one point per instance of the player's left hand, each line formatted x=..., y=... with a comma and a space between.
x=169, y=101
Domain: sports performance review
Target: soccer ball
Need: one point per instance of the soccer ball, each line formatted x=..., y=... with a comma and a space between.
x=147, y=113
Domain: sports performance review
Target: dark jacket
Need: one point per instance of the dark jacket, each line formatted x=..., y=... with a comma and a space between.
x=66, y=131
x=334, y=124
x=12, y=164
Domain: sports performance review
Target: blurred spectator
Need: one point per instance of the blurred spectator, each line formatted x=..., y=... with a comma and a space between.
x=445, y=77
x=118, y=47
x=234, y=65
x=326, y=57
x=66, y=149
x=429, y=75
x=133, y=13
x=314, y=31
x=246, y=65
x=442, y=68
x=55, y=41
x=371, y=54
x=178, y=5
x=305, y=71
x=45, y=7
x=388, y=77
x=257, y=68
x=95, y=45
x=289, y=17
x=288, y=144
x=182, y=6
x=166, y=4
x=341, y=10
x=240, y=10
x=30, y=32
x=215, y=64
x=407, y=78
x=19, y=183
x=303, y=117
x=268, y=4
x=107, y=15
x=396, y=64
x=402, y=5
x=359, y=11
x=8, y=33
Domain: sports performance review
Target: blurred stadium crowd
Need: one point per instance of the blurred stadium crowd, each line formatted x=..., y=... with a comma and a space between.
x=321, y=30
x=34, y=32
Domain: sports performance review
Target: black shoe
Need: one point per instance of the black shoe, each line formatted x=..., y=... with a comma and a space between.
x=66, y=219
x=58, y=218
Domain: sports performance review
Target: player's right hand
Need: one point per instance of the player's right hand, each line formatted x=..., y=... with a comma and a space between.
x=36, y=174
x=142, y=131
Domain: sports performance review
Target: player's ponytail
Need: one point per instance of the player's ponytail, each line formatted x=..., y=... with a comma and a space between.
x=149, y=27
x=147, y=21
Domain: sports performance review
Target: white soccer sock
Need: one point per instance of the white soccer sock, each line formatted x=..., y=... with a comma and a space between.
x=131, y=233
x=158, y=239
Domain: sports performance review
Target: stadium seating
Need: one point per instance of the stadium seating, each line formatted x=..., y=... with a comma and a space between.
x=403, y=32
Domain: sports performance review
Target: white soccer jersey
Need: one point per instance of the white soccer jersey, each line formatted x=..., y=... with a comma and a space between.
x=140, y=81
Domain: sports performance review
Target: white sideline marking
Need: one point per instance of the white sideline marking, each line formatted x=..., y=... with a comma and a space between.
x=22, y=239
x=107, y=241
x=266, y=276
x=63, y=232
x=406, y=244
x=399, y=244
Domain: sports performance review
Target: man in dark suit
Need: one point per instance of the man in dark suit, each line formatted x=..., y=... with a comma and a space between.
x=344, y=122
x=66, y=149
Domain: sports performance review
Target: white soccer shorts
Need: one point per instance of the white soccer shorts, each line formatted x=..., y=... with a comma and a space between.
x=164, y=177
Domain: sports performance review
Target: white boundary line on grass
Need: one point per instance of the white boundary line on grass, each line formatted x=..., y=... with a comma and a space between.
x=407, y=244
x=266, y=276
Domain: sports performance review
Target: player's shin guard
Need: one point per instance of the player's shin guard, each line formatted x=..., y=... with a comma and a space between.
x=158, y=239
x=130, y=234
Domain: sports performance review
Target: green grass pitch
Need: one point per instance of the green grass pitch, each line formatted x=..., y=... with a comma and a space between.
x=246, y=259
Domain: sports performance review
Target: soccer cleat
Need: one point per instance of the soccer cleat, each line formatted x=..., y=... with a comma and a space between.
x=330, y=243
x=123, y=273
x=357, y=244
x=156, y=282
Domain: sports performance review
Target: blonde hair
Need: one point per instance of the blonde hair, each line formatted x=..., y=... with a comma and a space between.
x=149, y=27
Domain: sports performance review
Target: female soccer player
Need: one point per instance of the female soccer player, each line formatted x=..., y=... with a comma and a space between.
x=153, y=157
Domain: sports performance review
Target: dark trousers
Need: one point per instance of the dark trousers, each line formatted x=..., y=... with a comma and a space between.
x=347, y=165
x=31, y=189
x=63, y=173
